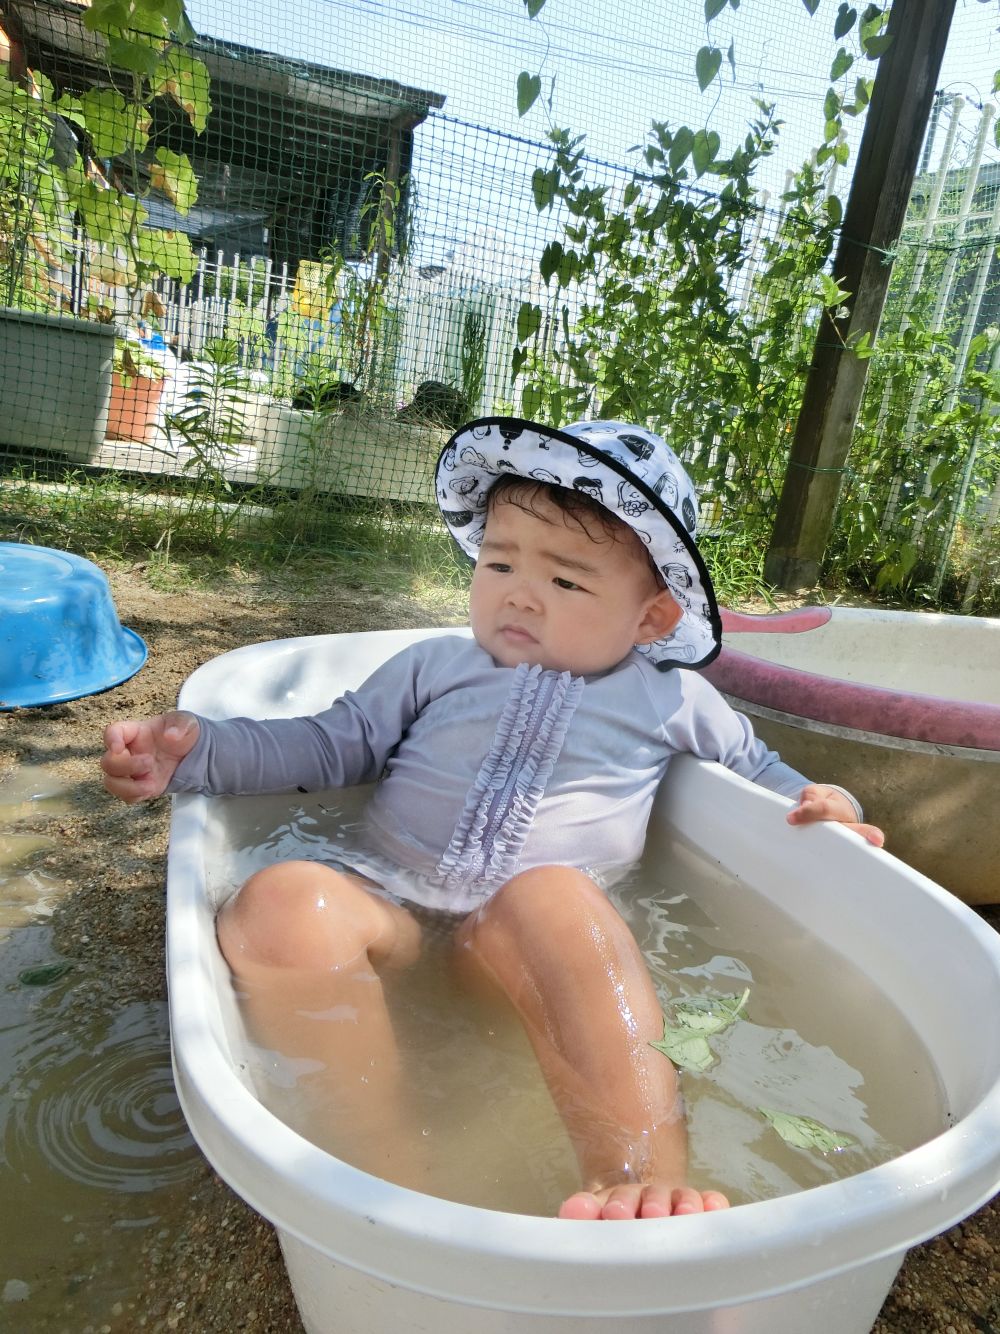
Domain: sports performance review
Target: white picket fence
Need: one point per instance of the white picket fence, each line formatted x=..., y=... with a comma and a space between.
x=243, y=298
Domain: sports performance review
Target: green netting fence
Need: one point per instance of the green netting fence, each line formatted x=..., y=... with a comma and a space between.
x=250, y=280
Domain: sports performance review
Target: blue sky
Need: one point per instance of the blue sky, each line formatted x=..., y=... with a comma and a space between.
x=617, y=65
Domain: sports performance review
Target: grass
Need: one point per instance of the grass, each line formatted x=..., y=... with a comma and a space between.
x=190, y=535
x=735, y=560
x=183, y=533
x=186, y=539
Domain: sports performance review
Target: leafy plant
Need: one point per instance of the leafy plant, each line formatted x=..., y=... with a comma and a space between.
x=473, y=357
x=370, y=326
x=131, y=361
x=652, y=331
x=212, y=419
x=319, y=386
x=653, y=321
x=928, y=429
x=46, y=183
x=210, y=424
x=35, y=215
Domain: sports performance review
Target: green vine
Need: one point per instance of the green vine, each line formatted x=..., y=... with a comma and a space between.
x=47, y=184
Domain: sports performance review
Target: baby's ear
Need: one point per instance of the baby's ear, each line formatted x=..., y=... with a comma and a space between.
x=660, y=618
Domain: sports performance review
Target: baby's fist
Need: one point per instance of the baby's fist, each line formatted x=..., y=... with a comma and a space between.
x=140, y=757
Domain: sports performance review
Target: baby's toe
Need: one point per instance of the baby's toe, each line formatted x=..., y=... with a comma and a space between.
x=657, y=1202
x=684, y=1200
x=583, y=1205
x=714, y=1199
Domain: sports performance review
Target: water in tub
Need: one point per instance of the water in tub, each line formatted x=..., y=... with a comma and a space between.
x=93, y=1139
x=814, y=1075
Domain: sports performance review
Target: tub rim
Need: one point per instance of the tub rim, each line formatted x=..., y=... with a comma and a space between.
x=437, y=1246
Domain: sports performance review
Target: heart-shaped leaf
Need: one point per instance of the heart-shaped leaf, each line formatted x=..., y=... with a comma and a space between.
x=529, y=86
x=706, y=65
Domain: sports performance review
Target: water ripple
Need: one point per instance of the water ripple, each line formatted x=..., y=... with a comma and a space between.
x=107, y=1117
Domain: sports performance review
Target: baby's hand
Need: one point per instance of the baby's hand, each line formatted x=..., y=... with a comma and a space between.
x=817, y=802
x=140, y=757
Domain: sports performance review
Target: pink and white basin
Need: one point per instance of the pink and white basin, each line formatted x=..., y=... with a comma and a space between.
x=902, y=708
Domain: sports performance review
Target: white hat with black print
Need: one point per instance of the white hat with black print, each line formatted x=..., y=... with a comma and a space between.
x=630, y=471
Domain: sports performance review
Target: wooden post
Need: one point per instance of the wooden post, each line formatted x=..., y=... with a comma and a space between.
x=901, y=101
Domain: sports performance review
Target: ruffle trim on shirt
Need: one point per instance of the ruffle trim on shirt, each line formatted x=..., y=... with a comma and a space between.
x=501, y=803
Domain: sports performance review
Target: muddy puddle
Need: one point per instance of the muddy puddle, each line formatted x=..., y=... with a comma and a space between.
x=95, y=1151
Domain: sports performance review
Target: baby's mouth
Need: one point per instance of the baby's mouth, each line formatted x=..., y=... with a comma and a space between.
x=518, y=634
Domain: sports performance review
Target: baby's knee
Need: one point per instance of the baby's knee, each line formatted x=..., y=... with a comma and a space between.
x=291, y=915
x=542, y=895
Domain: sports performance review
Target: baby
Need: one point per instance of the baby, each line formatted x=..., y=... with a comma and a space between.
x=515, y=774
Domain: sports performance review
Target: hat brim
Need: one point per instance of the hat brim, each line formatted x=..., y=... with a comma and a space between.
x=659, y=506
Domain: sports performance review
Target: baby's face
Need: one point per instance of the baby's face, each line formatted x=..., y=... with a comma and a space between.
x=551, y=593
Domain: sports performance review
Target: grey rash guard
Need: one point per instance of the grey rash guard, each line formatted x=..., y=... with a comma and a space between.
x=483, y=770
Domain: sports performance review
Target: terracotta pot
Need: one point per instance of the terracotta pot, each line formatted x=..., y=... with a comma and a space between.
x=134, y=405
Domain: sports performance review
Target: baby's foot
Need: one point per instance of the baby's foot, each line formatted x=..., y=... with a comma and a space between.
x=636, y=1201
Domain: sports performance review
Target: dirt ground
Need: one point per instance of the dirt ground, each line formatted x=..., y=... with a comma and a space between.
x=217, y=1267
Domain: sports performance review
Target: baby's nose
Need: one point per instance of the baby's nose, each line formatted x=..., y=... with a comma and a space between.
x=522, y=593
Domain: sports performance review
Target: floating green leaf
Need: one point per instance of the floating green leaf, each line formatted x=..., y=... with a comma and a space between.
x=45, y=974
x=694, y=1019
x=805, y=1133
x=709, y=1014
x=688, y=1051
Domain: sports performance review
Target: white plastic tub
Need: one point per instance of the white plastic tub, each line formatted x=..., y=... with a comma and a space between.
x=366, y=1256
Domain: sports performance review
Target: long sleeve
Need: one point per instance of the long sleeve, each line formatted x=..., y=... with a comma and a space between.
x=703, y=723
x=348, y=743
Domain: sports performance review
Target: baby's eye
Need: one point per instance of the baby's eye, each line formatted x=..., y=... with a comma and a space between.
x=565, y=583
x=498, y=567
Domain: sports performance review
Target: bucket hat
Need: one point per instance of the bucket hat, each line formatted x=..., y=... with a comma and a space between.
x=630, y=471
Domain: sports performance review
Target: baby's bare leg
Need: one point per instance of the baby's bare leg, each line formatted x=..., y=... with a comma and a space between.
x=555, y=945
x=305, y=944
